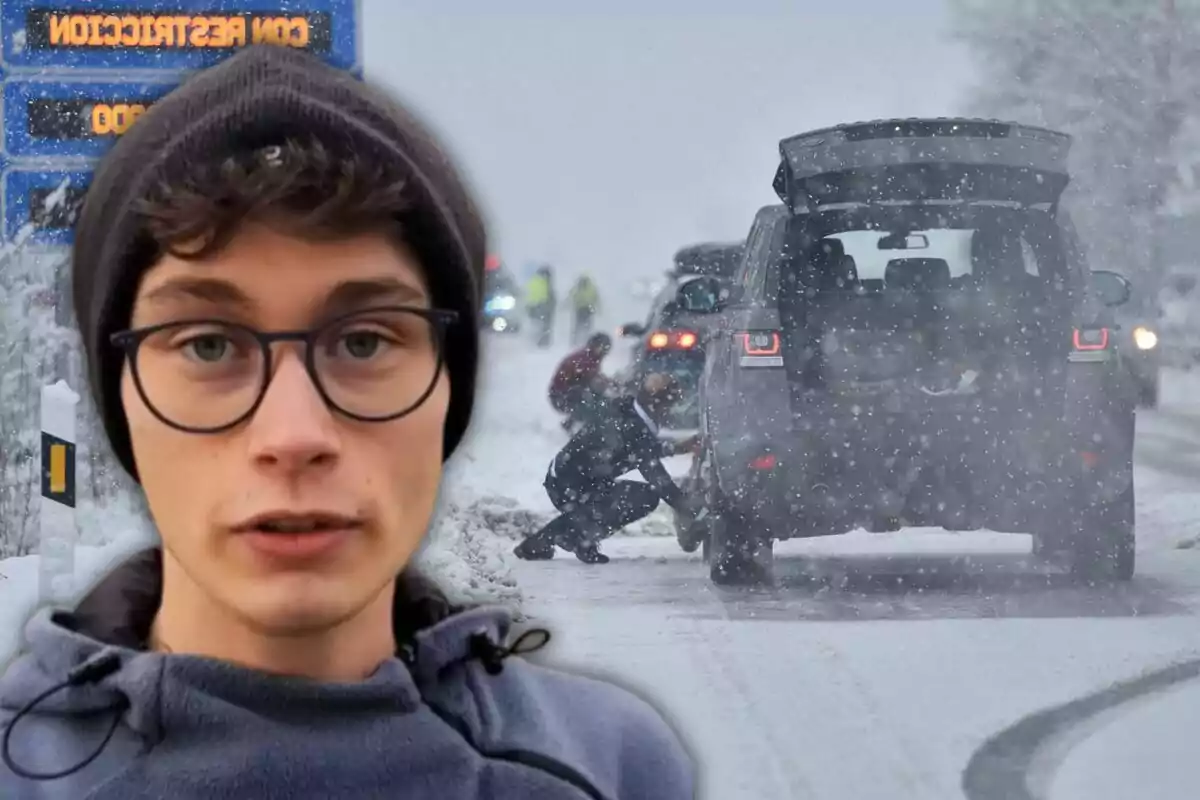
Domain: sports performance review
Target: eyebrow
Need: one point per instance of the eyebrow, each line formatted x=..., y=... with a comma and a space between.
x=351, y=294
x=346, y=296
x=209, y=290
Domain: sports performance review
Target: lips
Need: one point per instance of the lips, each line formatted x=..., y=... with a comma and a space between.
x=297, y=536
x=288, y=522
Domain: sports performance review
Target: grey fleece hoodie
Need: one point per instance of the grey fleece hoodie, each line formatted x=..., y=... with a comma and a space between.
x=454, y=719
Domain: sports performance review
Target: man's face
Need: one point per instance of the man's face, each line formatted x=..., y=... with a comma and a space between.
x=294, y=455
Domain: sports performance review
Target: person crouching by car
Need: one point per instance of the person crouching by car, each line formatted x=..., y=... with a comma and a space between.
x=579, y=384
x=583, y=484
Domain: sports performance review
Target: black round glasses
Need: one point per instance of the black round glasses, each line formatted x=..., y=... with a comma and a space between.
x=210, y=375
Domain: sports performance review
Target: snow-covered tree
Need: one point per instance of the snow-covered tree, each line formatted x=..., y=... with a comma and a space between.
x=1123, y=77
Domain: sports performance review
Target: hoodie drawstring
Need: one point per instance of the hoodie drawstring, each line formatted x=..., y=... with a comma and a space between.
x=91, y=671
x=492, y=655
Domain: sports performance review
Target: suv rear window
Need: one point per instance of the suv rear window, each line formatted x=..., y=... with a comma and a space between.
x=933, y=247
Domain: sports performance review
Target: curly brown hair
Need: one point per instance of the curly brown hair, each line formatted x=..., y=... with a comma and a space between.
x=300, y=187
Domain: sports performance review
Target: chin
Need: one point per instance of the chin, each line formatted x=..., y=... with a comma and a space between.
x=289, y=605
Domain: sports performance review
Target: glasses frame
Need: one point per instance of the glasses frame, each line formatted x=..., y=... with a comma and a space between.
x=130, y=341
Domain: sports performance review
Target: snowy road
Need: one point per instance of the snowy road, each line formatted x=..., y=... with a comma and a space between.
x=879, y=664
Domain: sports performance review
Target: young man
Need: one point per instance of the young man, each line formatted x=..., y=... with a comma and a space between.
x=578, y=386
x=277, y=279
x=582, y=479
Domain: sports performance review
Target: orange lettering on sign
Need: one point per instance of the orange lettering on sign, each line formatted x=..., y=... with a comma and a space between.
x=116, y=118
x=176, y=31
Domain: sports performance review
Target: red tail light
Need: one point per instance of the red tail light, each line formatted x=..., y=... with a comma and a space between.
x=674, y=340
x=760, y=343
x=764, y=462
x=1091, y=339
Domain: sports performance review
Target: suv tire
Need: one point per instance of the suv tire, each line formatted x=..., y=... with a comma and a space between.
x=737, y=553
x=1104, y=545
x=1097, y=540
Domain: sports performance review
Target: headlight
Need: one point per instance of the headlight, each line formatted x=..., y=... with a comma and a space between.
x=502, y=302
x=1144, y=338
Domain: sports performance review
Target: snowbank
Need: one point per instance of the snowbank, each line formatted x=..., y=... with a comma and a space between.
x=469, y=550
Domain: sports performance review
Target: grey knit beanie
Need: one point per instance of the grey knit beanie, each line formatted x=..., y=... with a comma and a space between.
x=258, y=97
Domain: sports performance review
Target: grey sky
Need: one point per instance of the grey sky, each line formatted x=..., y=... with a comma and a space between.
x=605, y=137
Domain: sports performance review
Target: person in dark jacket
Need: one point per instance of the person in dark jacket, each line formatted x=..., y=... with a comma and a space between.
x=582, y=480
x=277, y=279
x=579, y=385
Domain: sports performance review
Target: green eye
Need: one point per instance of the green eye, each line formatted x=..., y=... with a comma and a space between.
x=208, y=348
x=362, y=344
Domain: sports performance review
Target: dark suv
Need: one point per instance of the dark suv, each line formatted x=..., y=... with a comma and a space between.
x=914, y=339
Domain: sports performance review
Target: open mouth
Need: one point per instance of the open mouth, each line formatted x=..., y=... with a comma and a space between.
x=299, y=524
x=305, y=525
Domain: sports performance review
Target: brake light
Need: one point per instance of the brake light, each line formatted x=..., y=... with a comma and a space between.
x=1091, y=339
x=764, y=462
x=760, y=343
x=682, y=340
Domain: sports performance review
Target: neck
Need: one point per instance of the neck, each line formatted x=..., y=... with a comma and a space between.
x=191, y=622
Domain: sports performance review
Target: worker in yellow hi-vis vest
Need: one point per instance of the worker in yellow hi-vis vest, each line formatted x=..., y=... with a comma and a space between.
x=584, y=299
x=540, y=303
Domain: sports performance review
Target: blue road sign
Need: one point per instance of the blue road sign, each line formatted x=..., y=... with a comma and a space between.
x=170, y=34
x=71, y=119
x=46, y=199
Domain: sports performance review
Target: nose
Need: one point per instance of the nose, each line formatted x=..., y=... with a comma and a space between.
x=293, y=429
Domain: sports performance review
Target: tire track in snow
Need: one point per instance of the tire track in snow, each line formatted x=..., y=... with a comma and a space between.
x=718, y=662
x=620, y=616
x=829, y=713
x=1019, y=762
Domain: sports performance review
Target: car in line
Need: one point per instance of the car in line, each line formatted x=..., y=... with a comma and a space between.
x=1138, y=329
x=671, y=340
x=502, y=311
